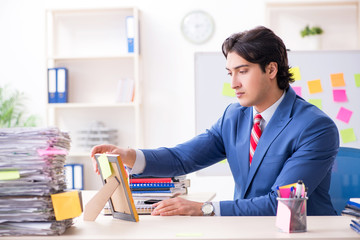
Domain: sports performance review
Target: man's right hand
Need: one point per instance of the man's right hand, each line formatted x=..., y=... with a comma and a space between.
x=128, y=156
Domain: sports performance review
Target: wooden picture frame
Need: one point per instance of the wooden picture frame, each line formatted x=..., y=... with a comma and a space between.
x=121, y=201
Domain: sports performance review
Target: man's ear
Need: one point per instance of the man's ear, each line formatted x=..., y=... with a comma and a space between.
x=272, y=69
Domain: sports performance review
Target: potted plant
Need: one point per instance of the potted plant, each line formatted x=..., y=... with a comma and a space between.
x=12, y=110
x=307, y=31
x=311, y=37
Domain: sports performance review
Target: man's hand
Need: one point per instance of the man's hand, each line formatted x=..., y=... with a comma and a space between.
x=128, y=156
x=177, y=206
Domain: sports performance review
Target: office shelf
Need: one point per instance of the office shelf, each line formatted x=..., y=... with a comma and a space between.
x=92, y=44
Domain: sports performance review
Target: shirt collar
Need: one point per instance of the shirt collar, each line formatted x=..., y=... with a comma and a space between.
x=269, y=112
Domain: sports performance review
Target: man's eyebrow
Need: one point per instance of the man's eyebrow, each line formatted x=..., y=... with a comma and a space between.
x=237, y=67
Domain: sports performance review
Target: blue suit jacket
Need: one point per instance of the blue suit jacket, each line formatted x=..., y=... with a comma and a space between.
x=299, y=142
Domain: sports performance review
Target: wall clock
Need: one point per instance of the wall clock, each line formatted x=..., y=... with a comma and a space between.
x=197, y=26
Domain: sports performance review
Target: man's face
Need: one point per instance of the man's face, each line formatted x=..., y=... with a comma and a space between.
x=252, y=86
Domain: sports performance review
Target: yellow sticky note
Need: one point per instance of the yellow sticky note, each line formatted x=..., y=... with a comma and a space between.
x=315, y=86
x=296, y=73
x=223, y=161
x=357, y=79
x=227, y=90
x=337, y=80
x=9, y=175
x=316, y=102
x=348, y=135
x=66, y=205
x=105, y=166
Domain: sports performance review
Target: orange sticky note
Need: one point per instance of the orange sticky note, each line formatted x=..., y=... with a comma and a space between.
x=337, y=80
x=315, y=86
x=66, y=205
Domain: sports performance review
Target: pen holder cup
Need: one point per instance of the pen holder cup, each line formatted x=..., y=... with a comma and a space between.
x=291, y=215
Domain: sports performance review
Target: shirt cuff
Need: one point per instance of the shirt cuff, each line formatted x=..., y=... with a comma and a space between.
x=216, y=206
x=139, y=164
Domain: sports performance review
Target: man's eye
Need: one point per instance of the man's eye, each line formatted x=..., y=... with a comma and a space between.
x=243, y=72
x=229, y=73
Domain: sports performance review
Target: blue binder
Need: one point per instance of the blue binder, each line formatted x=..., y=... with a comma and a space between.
x=130, y=33
x=61, y=85
x=52, y=95
x=74, y=174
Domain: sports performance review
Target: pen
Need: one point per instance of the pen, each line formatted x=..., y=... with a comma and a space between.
x=278, y=191
x=292, y=192
x=299, y=189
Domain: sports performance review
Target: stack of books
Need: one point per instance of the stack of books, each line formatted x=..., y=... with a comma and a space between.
x=31, y=169
x=149, y=190
x=352, y=209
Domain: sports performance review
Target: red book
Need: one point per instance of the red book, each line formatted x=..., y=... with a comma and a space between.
x=150, y=180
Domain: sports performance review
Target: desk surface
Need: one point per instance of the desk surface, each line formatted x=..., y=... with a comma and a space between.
x=178, y=227
x=190, y=228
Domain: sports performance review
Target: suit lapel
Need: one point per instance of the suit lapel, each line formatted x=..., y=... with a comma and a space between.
x=277, y=123
x=243, y=144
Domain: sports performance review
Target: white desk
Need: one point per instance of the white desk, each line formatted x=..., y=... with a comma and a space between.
x=190, y=228
x=156, y=227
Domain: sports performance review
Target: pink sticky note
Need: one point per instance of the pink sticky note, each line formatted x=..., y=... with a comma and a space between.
x=283, y=217
x=285, y=192
x=51, y=151
x=344, y=115
x=297, y=90
x=340, y=95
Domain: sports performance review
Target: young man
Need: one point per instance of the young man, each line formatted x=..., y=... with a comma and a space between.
x=291, y=140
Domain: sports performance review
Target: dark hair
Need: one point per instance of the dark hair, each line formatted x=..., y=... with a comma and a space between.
x=261, y=45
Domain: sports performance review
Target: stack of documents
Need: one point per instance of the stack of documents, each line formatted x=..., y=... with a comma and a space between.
x=148, y=190
x=352, y=209
x=31, y=169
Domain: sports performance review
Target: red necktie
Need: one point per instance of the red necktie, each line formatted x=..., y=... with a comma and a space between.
x=255, y=135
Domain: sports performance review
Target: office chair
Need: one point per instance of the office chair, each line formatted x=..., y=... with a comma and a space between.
x=345, y=178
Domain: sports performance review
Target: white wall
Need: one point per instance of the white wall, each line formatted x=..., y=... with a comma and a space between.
x=167, y=58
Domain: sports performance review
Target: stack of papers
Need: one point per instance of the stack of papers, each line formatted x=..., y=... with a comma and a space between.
x=352, y=209
x=146, y=190
x=31, y=169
